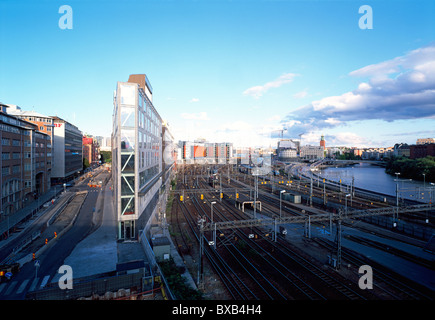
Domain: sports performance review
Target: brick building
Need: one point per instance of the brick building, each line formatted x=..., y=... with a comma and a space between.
x=421, y=150
x=26, y=162
x=90, y=149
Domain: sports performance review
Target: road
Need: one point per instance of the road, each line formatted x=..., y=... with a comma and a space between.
x=50, y=261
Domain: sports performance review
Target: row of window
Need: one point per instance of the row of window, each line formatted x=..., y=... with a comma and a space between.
x=27, y=155
x=17, y=143
x=7, y=142
x=7, y=170
x=7, y=155
x=48, y=120
x=10, y=187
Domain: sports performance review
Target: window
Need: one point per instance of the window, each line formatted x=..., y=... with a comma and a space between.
x=127, y=117
x=6, y=155
x=6, y=171
x=6, y=142
x=128, y=94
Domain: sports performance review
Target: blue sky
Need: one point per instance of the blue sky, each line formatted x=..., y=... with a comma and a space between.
x=230, y=70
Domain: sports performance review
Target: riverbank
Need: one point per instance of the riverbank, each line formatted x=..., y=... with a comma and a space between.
x=374, y=178
x=422, y=169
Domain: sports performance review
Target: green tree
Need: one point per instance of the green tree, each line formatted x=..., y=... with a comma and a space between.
x=417, y=169
x=85, y=163
x=106, y=156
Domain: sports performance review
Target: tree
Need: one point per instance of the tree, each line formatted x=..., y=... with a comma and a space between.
x=106, y=156
x=85, y=163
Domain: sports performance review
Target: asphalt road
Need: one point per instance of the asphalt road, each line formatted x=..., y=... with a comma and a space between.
x=53, y=257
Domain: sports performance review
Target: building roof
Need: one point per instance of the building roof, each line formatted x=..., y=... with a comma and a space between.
x=130, y=265
x=160, y=241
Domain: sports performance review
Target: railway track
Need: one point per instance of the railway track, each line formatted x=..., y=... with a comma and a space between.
x=286, y=260
x=242, y=280
x=278, y=259
x=386, y=280
x=276, y=264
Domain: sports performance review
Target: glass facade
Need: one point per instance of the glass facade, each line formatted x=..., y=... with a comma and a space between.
x=73, y=152
x=136, y=154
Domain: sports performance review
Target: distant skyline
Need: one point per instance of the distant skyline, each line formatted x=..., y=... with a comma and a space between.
x=237, y=71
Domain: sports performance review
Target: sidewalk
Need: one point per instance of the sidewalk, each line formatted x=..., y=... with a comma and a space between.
x=98, y=253
x=18, y=216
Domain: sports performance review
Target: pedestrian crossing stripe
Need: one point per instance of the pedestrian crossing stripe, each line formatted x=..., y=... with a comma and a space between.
x=22, y=286
x=11, y=287
x=33, y=285
x=44, y=281
x=15, y=287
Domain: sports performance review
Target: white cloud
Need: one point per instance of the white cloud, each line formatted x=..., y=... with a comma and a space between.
x=194, y=100
x=349, y=139
x=274, y=118
x=400, y=88
x=258, y=91
x=195, y=116
x=300, y=95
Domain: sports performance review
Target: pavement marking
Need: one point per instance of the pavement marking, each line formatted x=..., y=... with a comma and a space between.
x=22, y=286
x=33, y=285
x=44, y=281
x=10, y=288
x=2, y=286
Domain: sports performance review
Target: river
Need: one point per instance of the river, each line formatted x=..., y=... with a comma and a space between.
x=374, y=178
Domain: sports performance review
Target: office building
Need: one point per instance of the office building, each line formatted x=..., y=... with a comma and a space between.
x=68, y=151
x=136, y=155
x=312, y=152
x=25, y=162
x=201, y=151
x=44, y=123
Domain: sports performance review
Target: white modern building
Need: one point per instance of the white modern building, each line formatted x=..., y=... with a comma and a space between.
x=136, y=155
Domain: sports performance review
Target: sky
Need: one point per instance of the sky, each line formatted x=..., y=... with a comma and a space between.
x=247, y=72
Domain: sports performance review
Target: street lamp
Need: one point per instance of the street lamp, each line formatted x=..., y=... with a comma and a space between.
x=424, y=180
x=397, y=188
x=212, y=203
x=280, y=202
x=348, y=195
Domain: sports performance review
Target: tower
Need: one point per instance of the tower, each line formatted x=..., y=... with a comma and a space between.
x=322, y=142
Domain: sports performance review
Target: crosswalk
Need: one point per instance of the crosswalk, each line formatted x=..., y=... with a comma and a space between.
x=11, y=288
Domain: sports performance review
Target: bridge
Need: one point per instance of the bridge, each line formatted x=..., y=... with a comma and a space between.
x=336, y=162
x=308, y=219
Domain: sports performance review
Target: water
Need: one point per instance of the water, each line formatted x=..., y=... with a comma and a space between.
x=374, y=178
